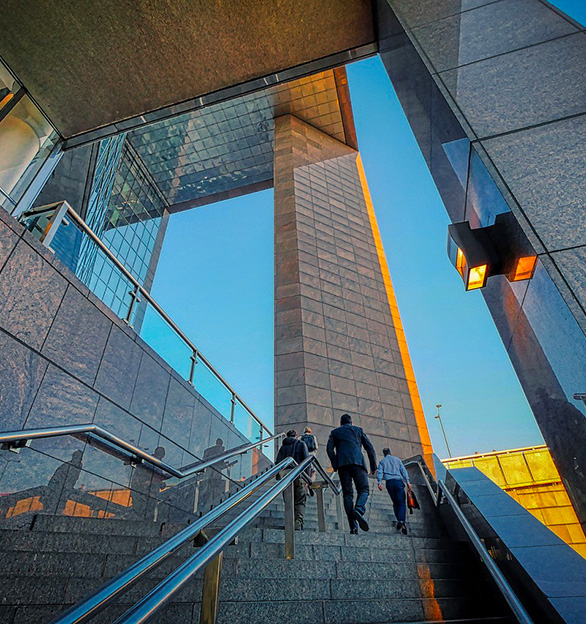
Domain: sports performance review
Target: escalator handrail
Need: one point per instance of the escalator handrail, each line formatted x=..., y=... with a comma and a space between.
x=8, y=437
x=104, y=595
x=157, y=598
x=503, y=585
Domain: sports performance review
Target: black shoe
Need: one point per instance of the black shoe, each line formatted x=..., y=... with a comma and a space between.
x=398, y=526
x=362, y=523
x=353, y=531
x=403, y=528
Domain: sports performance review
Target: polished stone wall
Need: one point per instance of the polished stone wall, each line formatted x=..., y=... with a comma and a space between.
x=65, y=358
x=495, y=95
x=339, y=344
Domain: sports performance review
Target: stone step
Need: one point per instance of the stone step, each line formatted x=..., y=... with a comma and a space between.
x=397, y=548
x=349, y=570
x=347, y=611
x=100, y=526
x=64, y=591
x=46, y=542
x=372, y=540
x=184, y=613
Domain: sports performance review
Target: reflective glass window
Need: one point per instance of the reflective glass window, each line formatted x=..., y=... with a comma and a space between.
x=26, y=140
x=8, y=86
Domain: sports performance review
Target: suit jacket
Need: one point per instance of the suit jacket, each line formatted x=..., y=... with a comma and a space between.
x=345, y=448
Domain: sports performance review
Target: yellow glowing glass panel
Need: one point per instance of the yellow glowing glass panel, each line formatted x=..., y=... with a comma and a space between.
x=460, y=262
x=524, y=268
x=476, y=277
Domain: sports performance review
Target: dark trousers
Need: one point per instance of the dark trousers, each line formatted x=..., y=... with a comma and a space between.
x=359, y=476
x=299, y=501
x=396, y=490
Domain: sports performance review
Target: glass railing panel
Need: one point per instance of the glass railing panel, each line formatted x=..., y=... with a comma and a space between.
x=246, y=423
x=92, y=265
x=212, y=389
x=157, y=333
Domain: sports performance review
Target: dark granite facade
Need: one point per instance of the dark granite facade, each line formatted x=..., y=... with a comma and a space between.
x=547, y=575
x=339, y=344
x=67, y=359
x=494, y=92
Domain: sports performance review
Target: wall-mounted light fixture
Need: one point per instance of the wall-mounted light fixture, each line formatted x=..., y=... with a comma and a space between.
x=500, y=249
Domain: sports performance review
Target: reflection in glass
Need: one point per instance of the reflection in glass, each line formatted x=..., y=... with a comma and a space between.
x=27, y=139
x=8, y=86
x=484, y=200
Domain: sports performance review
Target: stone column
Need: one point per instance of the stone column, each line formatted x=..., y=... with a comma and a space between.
x=339, y=344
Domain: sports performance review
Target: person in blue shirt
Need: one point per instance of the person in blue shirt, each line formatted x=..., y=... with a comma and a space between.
x=392, y=471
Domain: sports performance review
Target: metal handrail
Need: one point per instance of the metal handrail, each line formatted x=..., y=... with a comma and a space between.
x=21, y=437
x=139, y=289
x=326, y=477
x=501, y=582
x=158, y=597
x=98, y=600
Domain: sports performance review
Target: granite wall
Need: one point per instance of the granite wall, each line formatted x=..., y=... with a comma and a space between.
x=494, y=93
x=65, y=358
x=339, y=344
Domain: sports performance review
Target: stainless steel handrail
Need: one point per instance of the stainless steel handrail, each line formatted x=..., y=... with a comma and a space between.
x=503, y=585
x=97, y=601
x=196, y=354
x=7, y=437
x=157, y=598
x=335, y=488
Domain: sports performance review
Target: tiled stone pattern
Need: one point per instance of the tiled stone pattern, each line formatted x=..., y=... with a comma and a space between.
x=495, y=94
x=336, y=346
x=512, y=71
x=65, y=358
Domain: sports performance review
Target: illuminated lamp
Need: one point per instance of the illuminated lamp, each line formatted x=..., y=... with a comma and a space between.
x=499, y=249
x=523, y=269
x=471, y=254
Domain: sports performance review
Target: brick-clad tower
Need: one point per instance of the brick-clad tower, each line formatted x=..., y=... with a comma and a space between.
x=339, y=343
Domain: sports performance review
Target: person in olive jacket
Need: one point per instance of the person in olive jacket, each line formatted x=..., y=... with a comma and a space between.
x=295, y=448
x=345, y=452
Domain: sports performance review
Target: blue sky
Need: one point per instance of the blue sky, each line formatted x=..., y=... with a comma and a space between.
x=215, y=279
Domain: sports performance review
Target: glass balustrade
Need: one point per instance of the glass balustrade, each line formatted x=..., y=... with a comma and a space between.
x=57, y=228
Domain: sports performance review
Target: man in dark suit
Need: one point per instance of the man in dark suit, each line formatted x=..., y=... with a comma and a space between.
x=345, y=453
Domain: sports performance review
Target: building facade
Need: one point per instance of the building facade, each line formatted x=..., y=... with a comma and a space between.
x=494, y=92
x=532, y=479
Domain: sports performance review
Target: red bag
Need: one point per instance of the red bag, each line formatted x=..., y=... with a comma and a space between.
x=412, y=501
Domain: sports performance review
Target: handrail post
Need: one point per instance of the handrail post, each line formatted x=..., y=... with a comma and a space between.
x=192, y=366
x=321, y=514
x=232, y=407
x=134, y=299
x=339, y=512
x=54, y=223
x=289, y=522
x=210, y=595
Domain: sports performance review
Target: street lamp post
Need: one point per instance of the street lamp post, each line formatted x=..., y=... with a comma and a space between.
x=443, y=430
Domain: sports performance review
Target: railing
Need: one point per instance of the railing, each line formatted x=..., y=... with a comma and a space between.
x=177, y=349
x=441, y=492
x=209, y=555
x=15, y=440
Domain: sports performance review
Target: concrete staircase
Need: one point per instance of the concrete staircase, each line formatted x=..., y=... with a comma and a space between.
x=336, y=578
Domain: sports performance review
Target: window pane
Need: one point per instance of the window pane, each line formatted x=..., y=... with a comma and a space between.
x=26, y=140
